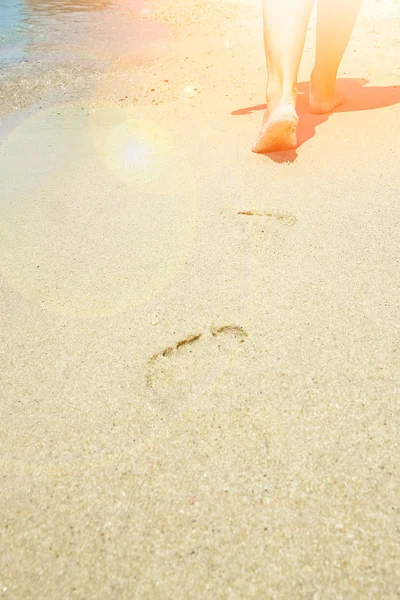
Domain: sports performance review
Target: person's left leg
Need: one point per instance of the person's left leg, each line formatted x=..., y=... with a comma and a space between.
x=285, y=29
x=335, y=24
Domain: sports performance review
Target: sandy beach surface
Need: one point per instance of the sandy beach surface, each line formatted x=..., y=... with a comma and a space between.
x=200, y=346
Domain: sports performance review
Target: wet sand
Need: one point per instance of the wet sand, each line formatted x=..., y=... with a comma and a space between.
x=200, y=370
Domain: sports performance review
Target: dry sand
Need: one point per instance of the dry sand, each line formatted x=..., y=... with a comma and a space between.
x=198, y=403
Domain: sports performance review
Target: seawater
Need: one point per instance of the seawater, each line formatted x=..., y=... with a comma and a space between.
x=19, y=18
x=14, y=30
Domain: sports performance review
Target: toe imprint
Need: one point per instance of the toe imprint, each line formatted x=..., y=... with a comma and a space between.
x=285, y=218
x=190, y=363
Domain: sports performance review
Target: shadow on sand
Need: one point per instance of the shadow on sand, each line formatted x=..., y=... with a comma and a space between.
x=359, y=96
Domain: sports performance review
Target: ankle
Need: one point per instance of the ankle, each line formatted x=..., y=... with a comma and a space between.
x=323, y=78
x=279, y=92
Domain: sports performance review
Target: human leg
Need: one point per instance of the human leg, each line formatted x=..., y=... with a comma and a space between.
x=285, y=29
x=335, y=24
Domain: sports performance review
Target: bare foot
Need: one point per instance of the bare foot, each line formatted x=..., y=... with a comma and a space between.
x=323, y=97
x=278, y=131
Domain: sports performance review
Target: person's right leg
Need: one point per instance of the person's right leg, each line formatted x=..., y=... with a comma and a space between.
x=335, y=24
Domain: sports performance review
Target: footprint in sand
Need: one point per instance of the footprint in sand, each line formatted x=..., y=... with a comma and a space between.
x=179, y=373
x=284, y=218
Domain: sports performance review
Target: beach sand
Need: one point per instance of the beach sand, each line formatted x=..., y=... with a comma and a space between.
x=200, y=346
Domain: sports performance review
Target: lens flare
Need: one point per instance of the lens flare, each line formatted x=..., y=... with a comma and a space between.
x=105, y=214
x=132, y=155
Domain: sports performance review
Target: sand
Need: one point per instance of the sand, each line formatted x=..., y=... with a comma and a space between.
x=200, y=346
